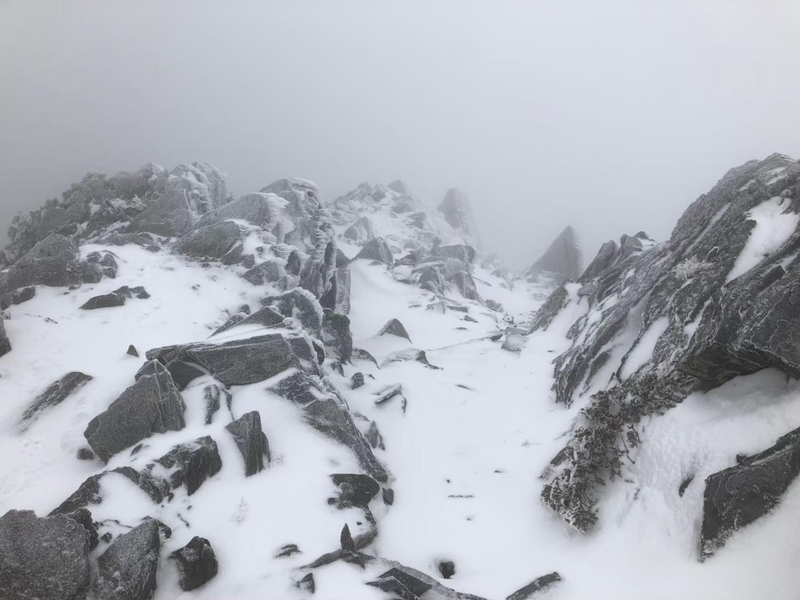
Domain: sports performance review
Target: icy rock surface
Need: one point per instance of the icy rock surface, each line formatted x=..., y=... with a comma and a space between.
x=562, y=258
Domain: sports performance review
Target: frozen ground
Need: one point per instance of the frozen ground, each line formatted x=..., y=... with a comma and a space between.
x=464, y=458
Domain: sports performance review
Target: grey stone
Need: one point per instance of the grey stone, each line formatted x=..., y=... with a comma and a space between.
x=355, y=489
x=326, y=412
x=127, y=569
x=15, y=297
x=197, y=563
x=457, y=212
x=301, y=305
x=237, y=362
x=90, y=491
x=251, y=441
x=394, y=327
x=562, y=258
x=357, y=380
x=360, y=231
x=56, y=393
x=254, y=208
x=747, y=491
x=42, y=558
x=192, y=463
x=221, y=241
x=213, y=394
x=269, y=271
x=5, y=343
x=376, y=249
x=466, y=285
x=336, y=328
x=540, y=584
x=151, y=405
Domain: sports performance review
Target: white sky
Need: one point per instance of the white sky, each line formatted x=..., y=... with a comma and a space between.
x=610, y=116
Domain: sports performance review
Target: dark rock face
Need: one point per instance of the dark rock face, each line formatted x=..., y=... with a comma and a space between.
x=191, y=464
x=197, y=563
x=56, y=393
x=550, y=309
x=394, y=327
x=116, y=298
x=42, y=558
x=739, y=495
x=151, y=405
x=238, y=362
x=562, y=258
x=84, y=518
x=358, y=380
x=377, y=249
x=360, y=231
x=221, y=241
x=329, y=416
x=307, y=584
x=336, y=330
x=127, y=569
x=447, y=568
x=251, y=441
x=539, y=584
x=355, y=489
x=711, y=322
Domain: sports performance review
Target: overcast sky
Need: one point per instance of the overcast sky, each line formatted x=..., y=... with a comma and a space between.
x=610, y=116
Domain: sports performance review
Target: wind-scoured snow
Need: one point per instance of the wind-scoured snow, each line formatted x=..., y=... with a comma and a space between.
x=775, y=222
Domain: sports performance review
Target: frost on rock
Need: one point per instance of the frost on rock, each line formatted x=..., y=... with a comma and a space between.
x=743, y=325
x=457, y=211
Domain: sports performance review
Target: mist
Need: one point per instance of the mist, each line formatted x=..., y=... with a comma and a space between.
x=608, y=116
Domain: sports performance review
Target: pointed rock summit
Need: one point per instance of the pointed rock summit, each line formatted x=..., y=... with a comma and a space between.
x=457, y=211
x=563, y=257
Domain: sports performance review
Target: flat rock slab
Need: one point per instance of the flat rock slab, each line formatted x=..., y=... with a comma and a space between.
x=152, y=405
x=739, y=495
x=45, y=558
x=237, y=362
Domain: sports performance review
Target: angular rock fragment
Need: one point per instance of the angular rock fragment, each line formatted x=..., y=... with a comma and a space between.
x=236, y=362
x=269, y=271
x=151, y=405
x=354, y=489
x=412, y=354
x=357, y=380
x=251, y=441
x=56, y=393
x=336, y=333
x=394, y=327
x=288, y=550
x=89, y=491
x=307, y=583
x=42, y=558
x=192, y=463
x=5, y=343
x=115, y=298
x=376, y=249
x=221, y=241
x=389, y=393
x=360, y=231
x=539, y=584
x=84, y=518
x=562, y=258
x=127, y=569
x=132, y=351
x=301, y=305
x=328, y=414
x=19, y=296
x=265, y=317
x=197, y=563
x=213, y=394
x=466, y=285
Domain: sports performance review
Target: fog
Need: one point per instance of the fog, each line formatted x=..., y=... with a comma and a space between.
x=608, y=116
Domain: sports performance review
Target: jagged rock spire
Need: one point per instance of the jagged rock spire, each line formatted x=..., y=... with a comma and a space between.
x=457, y=211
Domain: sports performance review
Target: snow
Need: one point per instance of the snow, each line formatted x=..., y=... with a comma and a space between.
x=775, y=224
x=464, y=458
x=642, y=351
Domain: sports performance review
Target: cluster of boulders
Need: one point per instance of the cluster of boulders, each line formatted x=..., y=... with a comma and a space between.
x=715, y=311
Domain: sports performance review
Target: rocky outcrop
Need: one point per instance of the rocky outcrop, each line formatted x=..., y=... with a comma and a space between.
x=562, y=259
x=192, y=463
x=151, y=405
x=747, y=491
x=222, y=241
x=708, y=307
x=43, y=558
